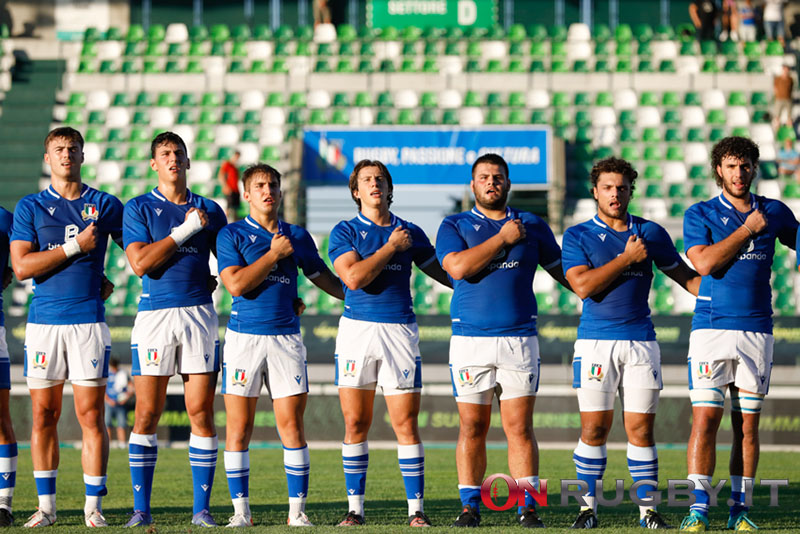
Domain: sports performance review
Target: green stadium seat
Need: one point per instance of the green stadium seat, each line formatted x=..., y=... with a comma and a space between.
x=623, y=33
x=729, y=49
x=135, y=33
x=700, y=191
x=732, y=65
x=759, y=99
x=752, y=49
x=628, y=135
x=651, y=135
x=94, y=135
x=630, y=153
x=384, y=118
x=676, y=191
x=116, y=135
x=709, y=66
x=670, y=99
x=715, y=134
x=671, y=116
x=602, y=65
x=318, y=117
x=768, y=170
x=537, y=65
x=113, y=153
x=186, y=117
x=654, y=190
x=786, y=132
x=624, y=65
x=250, y=135
x=87, y=66
x=140, y=135
x=675, y=153
x=205, y=135
x=138, y=153
x=695, y=135
x=648, y=98
x=653, y=172
x=673, y=135
x=270, y=154
x=643, y=32
x=653, y=153
x=716, y=116
x=645, y=65
x=697, y=172
x=539, y=116
x=538, y=49
x=208, y=116
x=429, y=117
x=363, y=100
x=407, y=117
x=644, y=49
x=583, y=118
x=754, y=66
x=537, y=32
x=449, y=117
x=582, y=99
x=627, y=117
x=708, y=48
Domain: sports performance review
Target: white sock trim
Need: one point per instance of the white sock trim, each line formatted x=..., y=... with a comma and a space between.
x=355, y=449
x=145, y=440
x=205, y=443
x=591, y=451
x=45, y=474
x=642, y=454
x=404, y=452
x=237, y=459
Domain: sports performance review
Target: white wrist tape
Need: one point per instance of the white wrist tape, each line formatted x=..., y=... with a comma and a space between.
x=190, y=226
x=71, y=248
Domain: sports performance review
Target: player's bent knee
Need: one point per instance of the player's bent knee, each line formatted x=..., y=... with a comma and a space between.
x=747, y=403
x=707, y=398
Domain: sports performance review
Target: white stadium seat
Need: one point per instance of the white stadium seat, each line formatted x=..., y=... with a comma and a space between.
x=91, y=153
x=319, y=99
x=674, y=171
x=494, y=49
x=767, y=152
x=361, y=117
x=259, y=49
x=271, y=135
x=108, y=172
x=687, y=65
x=625, y=99
x=579, y=31
x=449, y=99
x=109, y=50
x=537, y=99
x=762, y=133
x=98, y=99
x=713, y=99
x=273, y=115
x=406, y=99
x=603, y=116
x=450, y=64
x=662, y=50
x=648, y=117
x=249, y=153
x=470, y=117
x=186, y=133
x=201, y=172
x=695, y=154
x=162, y=118
x=226, y=134
x=769, y=188
x=325, y=33
x=737, y=116
x=693, y=117
x=579, y=50
x=252, y=99
x=176, y=33
x=118, y=117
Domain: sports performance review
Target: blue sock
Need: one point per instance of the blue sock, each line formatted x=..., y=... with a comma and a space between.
x=297, y=464
x=203, y=460
x=701, y=495
x=355, y=459
x=46, y=489
x=738, y=494
x=237, y=469
x=412, y=466
x=529, y=501
x=8, y=474
x=142, y=456
x=643, y=465
x=590, y=464
x=470, y=496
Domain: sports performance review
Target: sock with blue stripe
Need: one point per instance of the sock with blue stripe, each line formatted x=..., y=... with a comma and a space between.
x=237, y=469
x=46, y=490
x=95, y=490
x=355, y=459
x=8, y=474
x=643, y=465
x=529, y=501
x=590, y=464
x=738, y=494
x=700, y=494
x=142, y=456
x=470, y=496
x=203, y=460
x=412, y=466
x=297, y=465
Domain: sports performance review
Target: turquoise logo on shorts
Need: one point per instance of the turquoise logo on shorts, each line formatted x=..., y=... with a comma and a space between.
x=152, y=357
x=596, y=372
x=239, y=378
x=703, y=370
x=40, y=360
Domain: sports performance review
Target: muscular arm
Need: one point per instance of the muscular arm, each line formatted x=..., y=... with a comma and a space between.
x=243, y=279
x=465, y=263
x=28, y=263
x=357, y=273
x=145, y=258
x=708, y=259
x=587, y=282
x=328, y=282
x=435, y=271
x=686, y=277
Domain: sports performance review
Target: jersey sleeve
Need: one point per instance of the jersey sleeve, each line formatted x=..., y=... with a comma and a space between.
x=787, y=230
x=23, y=228
x=572, y=253
x=661, y=249
x=6, y=221
x=549, y=251
x=423, y=252
x=340, y=241
x=216, y=217
x=228, y=253
x=695, y=232
x=134, y=228
x=112, y=219
x=448, y=239
x=308, y=258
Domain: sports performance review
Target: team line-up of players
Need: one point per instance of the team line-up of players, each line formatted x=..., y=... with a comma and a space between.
x=488, y=255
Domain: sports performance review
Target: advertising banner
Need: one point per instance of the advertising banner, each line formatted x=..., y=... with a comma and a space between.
x=435, y=13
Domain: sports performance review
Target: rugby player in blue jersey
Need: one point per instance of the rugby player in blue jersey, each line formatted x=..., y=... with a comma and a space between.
x=730, y=240
x=378, y=339
x=8, y=442
x=59, y=239
x=492, y=252
x=168, y=234
x=608, y=261
x=258, y=258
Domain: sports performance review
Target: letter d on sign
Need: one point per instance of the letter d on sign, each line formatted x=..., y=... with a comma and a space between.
x=467, y=13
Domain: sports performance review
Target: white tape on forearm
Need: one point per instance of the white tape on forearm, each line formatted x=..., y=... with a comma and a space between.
x=190, y=226
x=71, y=248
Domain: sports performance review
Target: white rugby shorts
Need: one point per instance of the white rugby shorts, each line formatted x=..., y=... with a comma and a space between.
x=5, y=361
x=175, y=340
x=67, y=351
x=386, y=354
x=249, y=360
x=722, y=357
x=505, y=365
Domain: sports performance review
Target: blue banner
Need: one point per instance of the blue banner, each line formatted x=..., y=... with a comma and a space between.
x=427, y=155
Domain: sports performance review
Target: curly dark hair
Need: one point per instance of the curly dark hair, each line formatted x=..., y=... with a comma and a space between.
x=740, y=148
x=615, y=165
x=354, y=178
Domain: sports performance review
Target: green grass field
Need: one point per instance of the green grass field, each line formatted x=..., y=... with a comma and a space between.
x=385, y=506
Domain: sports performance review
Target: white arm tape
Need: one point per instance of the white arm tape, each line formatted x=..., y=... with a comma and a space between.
x=71, y=248
x=190, y=226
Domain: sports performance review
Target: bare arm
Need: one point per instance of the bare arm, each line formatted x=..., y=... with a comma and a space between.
x=587, y=282
x=328, y=282
x=693, y=15
x=435, y=271
x=465, y=263
x=240, y=280
x=147, y=257
x=357, y=273
x=28, y=263
x=709, y=258
x=686, y=277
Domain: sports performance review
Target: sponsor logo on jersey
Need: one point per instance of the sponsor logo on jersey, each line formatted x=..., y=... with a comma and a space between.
x=152, y=357
x=363, y=234
x=602, y=237
x=465, y=377
x=89, y=212
x=51, y=210
x=158, y=211
x=252, y=238
x=703, y=370
x=392, y=267
x=724, y=220
x=350, y=368
x=596, y=372
x=747, y=252
x=40, y=360
x=239, y=377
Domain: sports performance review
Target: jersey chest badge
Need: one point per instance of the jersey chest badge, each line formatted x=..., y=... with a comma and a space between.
x=89, y=212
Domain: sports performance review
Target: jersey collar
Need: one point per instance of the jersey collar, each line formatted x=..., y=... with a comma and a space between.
x=161, y=197
x=728, y=205
x=249, y=220
x=52, y=191
x=598, y=222
x=475, y=211
x=392, y=219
